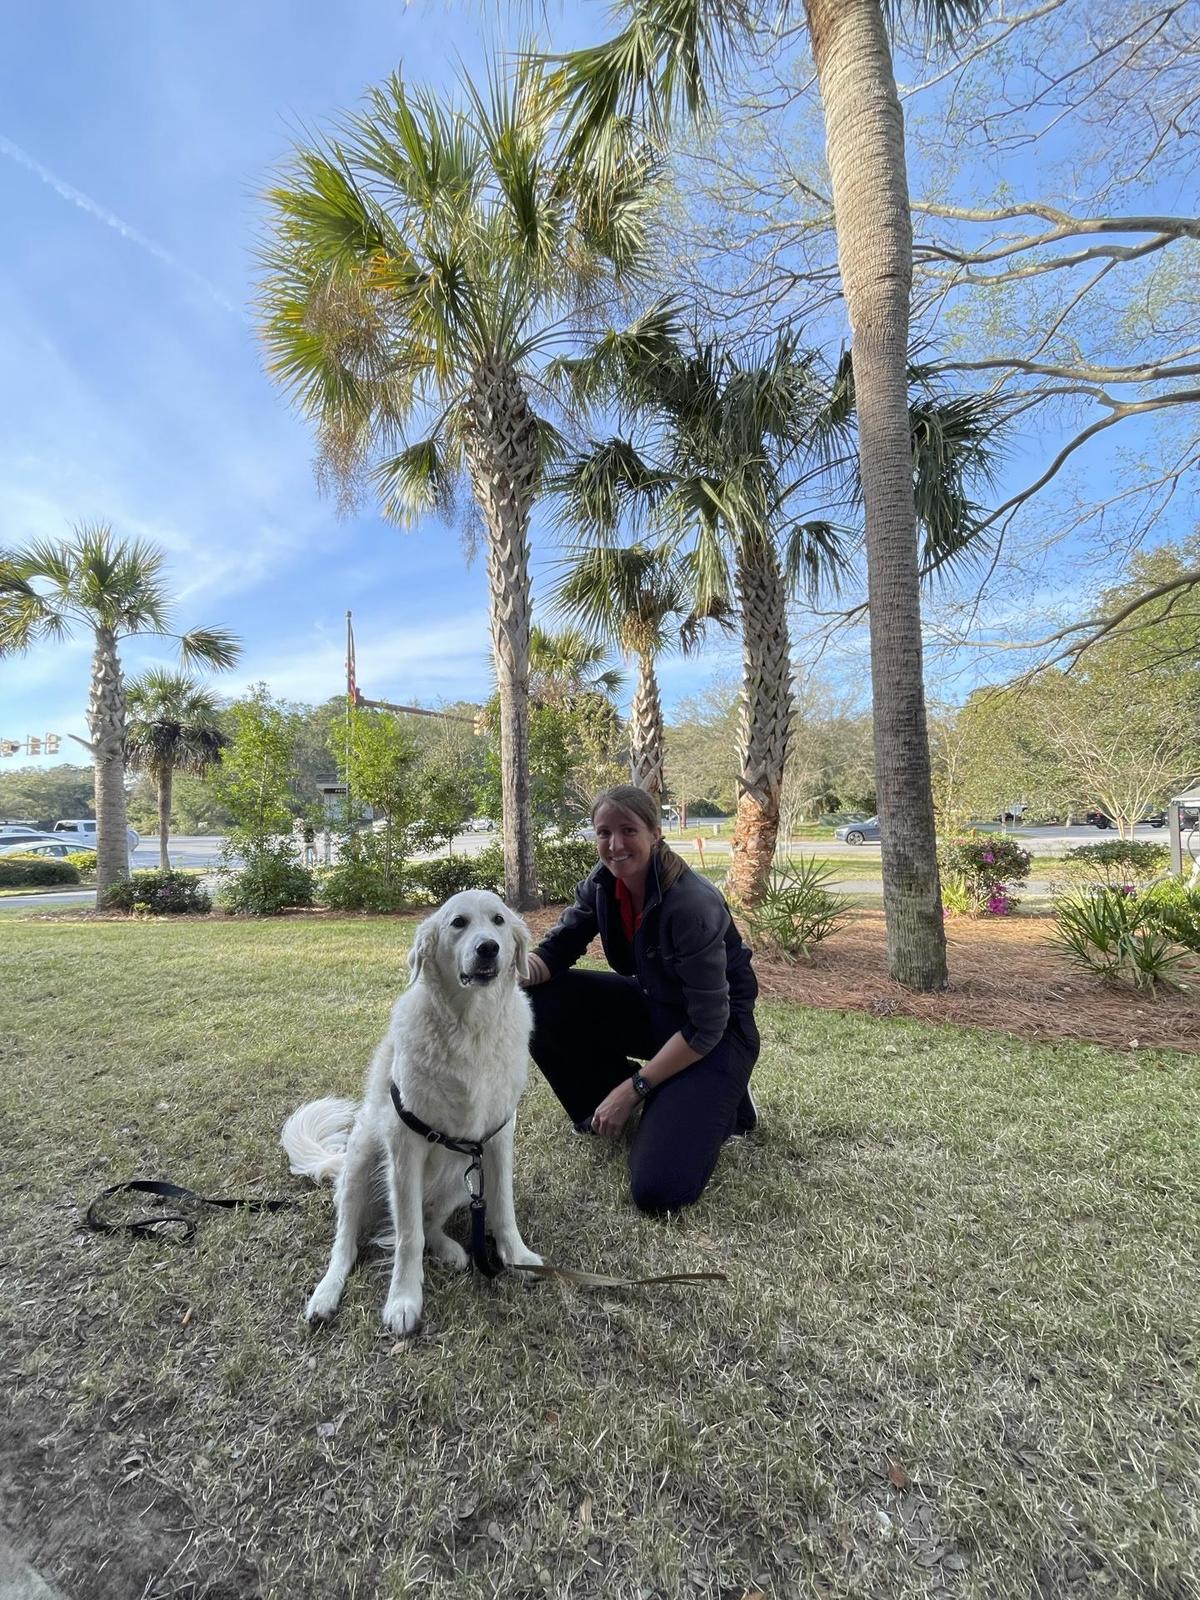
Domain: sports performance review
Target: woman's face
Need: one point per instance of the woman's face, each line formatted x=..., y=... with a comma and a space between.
x=624, y=842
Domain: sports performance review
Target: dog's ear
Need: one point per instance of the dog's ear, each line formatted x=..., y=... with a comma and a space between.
x=424, y=946
x=521, y=943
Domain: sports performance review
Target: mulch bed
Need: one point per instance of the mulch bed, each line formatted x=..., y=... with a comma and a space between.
x=1004, y=975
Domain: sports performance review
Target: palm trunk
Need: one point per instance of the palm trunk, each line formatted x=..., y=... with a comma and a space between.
x=646, y=730
x=106, y=722
x=864, y=132
x=502, y=449
x=166, y=780
x=766, y=715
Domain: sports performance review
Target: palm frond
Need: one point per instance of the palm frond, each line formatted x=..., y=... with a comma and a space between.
x=212, y=647
x=421, y=479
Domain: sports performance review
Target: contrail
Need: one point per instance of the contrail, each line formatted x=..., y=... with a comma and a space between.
x=76, y=197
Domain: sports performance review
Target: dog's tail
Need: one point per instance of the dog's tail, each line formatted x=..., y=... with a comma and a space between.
x=314, y=1138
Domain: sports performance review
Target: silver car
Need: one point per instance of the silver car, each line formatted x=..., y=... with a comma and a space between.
x=859, y=832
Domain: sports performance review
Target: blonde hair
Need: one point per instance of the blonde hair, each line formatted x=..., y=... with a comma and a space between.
x=639, y=803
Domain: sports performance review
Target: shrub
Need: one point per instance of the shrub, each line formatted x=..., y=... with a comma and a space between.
x=84, y=862
x=360, y=884
x=1175, y=909
x=561, y=864
x=438, y=880
x=157, y=894
x=1115, y=863
x=991, y=867
x=35, y=872
x=269, y=882
x=489, y=868
x=798, y=910
x=956, y=895
x=1111, y=932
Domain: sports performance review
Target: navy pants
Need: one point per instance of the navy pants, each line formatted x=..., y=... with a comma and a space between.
x=587, y=1025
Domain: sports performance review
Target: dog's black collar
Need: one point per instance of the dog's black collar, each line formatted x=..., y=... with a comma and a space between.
x=464, y=1147
x=473, y=1177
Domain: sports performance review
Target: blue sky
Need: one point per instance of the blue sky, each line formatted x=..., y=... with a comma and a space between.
x=135, y=141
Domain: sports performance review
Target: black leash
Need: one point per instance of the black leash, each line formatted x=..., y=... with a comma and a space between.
x=485, y=1263
x=156, y=1225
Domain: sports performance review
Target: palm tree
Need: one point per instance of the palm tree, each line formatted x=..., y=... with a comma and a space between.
x=643, y=597
x=172, y=727
x=567, y=664
x=665, y=59
x=114, y=588
x=420, y=266
x=722, y=455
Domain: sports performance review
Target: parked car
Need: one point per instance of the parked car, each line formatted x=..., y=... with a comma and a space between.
x=84, y=829
x=859, y=832
x=42, y=844
x=481, y=825
x=1100, y=819
x=19, y=830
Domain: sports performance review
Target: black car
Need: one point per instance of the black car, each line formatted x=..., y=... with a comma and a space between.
x=1101, y=819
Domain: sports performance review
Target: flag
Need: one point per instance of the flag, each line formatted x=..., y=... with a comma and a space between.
x=351, y=680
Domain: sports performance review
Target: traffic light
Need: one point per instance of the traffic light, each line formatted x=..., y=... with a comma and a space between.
x=52, y=743
x=35, y=745
x=9, y=747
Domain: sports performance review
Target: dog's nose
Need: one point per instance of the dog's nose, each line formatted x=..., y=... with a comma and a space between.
x=487, y=948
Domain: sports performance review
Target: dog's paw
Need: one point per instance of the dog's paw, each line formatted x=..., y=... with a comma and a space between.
x=402, y=1315
x=449, y=1252
x=326, y=1298
x=516, y=1253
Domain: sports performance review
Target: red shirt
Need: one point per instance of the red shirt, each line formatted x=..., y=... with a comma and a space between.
x=629, y=921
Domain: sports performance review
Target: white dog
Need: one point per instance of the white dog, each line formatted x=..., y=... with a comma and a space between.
x=457, y=1050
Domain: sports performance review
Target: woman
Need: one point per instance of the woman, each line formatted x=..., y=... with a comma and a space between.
x=680, y=997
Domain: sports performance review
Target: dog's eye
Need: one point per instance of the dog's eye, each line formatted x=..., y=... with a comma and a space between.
x=498, y=920
x=458, y=922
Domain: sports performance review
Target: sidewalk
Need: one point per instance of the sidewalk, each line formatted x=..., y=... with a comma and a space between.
x=18, y=1580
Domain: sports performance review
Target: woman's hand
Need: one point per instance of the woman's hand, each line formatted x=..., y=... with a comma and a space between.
x=613, y=1112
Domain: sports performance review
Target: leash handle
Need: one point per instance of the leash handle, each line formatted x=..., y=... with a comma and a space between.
x=157, y=1225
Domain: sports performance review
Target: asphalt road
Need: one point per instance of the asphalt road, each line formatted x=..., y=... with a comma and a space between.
x=204, y=851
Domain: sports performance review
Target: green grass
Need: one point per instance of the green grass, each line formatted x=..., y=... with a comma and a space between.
x=955, y=1355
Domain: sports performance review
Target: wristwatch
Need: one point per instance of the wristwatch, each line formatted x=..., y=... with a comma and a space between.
x=641, y=1086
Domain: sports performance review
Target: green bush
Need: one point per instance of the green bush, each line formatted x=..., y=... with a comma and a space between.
x=35, y=872
x=270, y=881
x=1115, y=864
x=561, y=864
x=1114, y=934
x=359, y=883
x=438, y=880
x=84, y=862
x=1175, y=909
x=991, y=867
x=489, y=868
x=956, y=893
x=157, y=894
x=798, y=910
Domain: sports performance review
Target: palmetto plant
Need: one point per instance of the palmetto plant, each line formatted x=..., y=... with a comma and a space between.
x=642, y=597
x=114, y=589
x=421, y=266
x=172, y=726
x=664, y=61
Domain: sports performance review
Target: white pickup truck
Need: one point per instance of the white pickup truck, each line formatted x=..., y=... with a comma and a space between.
x=84, y=829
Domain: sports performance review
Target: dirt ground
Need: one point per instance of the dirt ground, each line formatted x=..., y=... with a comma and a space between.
x=1004, y=975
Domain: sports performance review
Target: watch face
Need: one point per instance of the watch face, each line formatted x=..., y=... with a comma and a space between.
x=640, y=1085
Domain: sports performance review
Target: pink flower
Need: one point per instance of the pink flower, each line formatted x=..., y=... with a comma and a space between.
x=988, y=856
